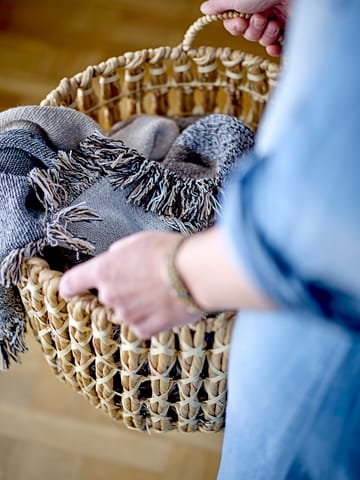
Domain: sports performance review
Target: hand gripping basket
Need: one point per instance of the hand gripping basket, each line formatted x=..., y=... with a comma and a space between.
x=176, y=380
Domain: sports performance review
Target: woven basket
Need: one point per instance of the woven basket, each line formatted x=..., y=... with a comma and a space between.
x=176, y=380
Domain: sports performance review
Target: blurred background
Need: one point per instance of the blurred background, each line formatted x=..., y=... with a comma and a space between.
x=43, y=41
x=47, y=431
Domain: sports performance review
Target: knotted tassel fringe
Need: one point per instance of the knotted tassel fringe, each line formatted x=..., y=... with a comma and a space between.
x=184, y=203
x=12, y=327
x=10, y=350
x=55, y=226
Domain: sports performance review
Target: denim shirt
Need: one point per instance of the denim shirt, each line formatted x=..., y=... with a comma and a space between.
x=293, y=216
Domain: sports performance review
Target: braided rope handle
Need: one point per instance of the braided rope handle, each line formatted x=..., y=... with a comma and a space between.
x=202, y=22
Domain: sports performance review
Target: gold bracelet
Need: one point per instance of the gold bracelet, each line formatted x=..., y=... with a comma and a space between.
x=176, y=283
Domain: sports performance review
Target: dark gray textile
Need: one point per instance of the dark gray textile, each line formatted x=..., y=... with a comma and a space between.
x=25, y=145
x=65, y=186
x=65, y=128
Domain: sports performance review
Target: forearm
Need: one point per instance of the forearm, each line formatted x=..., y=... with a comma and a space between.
x=213, y=276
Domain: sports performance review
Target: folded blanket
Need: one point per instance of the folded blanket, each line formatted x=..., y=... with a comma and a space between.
x=65, y=185
x=24, y=145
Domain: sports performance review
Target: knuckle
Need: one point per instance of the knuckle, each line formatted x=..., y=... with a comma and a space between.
x=272, y=30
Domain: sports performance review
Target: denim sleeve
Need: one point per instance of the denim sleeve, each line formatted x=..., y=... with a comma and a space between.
x=293, y=214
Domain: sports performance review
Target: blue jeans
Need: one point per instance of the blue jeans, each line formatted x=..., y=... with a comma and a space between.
x=293, y=410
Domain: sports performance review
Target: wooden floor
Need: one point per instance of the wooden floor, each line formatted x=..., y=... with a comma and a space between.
x=47, y=431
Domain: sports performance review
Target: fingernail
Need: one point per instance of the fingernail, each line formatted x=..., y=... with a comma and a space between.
x=259, y=23
x=273, y=29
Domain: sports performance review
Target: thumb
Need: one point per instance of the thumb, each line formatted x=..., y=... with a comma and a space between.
x=212, y=7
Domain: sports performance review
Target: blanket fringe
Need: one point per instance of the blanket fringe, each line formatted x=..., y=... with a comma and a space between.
x=55, y=232
x=70, y=169
x=10, y=267
x=12, y=331
x=10, y=350
x=190, y=204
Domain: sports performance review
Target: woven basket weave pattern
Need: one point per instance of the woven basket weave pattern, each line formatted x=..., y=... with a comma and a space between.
x=177, y=380
x=171, y=81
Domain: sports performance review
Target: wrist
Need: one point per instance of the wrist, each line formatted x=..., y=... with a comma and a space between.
x=193, y=265
x=214, y=277
x=175, y=280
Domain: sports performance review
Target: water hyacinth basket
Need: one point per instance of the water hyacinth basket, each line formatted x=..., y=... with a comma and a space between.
x=176, y=380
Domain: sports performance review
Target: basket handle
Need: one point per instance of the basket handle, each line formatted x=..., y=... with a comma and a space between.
x=202, y=22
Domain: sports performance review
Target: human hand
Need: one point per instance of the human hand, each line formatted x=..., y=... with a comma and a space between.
x=129, y=278
x=264, y=26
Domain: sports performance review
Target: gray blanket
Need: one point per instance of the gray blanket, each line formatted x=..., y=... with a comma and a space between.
x=67, y=187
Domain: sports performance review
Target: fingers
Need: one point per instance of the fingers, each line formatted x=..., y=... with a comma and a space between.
x=212, y=7
x=236, y=26
x=270, y=34
x=145, y=331
x=274, y=50
x=143, y=325
x=150, y=327
x=258, y=29
x=78, y=279
x=262, y=30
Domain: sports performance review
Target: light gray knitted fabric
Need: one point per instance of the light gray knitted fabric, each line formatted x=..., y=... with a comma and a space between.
x=64, y=184
x=150, y=135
